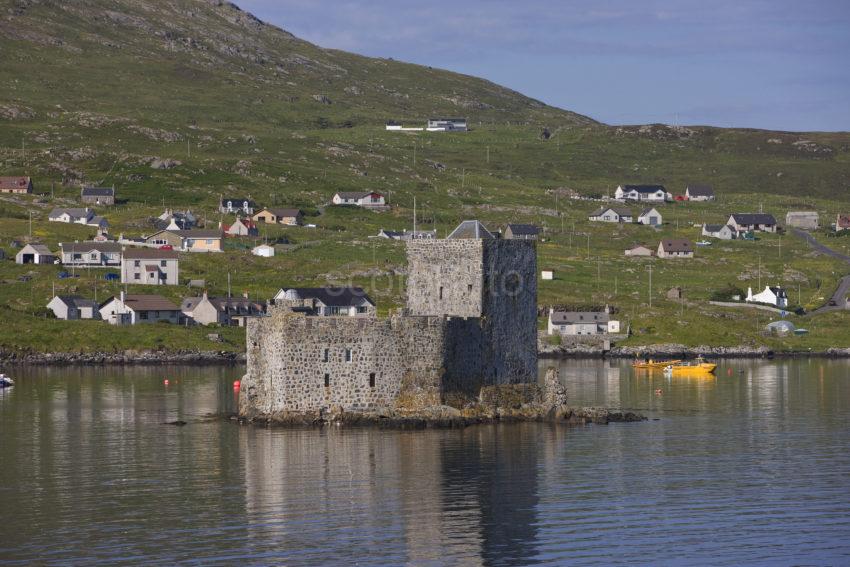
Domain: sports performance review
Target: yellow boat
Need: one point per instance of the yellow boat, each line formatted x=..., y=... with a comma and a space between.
x=653, y=364
x=696, y=367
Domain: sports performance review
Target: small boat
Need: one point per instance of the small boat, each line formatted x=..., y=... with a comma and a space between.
x=5, y=381
x=653, y=364
x=696, y=367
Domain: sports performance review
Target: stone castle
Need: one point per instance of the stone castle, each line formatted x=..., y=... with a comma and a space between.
x=470, y=322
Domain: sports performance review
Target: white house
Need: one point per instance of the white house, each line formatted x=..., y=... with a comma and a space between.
x=128, y=309
x=232, y=205
x=650, y=216
x=446, y=125
x=611, y=214
x=263, y=250
x=147, y=266
x=35, y=254
x=368, y=199
x=651, y=193
x=721, y=231
x=675, y=248
x=640, y=250
x=91, y=254
x=327, y=301
x=581, y=323
x=747, y=222
x=699, y=193
x=71, y=215
x=73, y=307
x=771, y=296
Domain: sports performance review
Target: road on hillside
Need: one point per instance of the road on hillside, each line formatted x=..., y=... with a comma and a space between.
x=838, y=299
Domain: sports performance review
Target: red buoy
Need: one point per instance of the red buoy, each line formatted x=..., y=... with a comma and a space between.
x=165, y=381
x=236, y=383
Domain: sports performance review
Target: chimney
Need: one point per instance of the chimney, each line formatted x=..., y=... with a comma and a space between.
x=122, y=296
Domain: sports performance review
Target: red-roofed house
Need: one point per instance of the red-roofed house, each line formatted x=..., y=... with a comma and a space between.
x=15, y=185
x=242, y=227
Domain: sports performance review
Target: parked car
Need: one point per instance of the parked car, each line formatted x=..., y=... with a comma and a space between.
x=166, y=247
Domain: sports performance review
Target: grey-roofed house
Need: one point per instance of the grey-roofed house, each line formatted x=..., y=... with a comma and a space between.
x=654, y=193
x=195, y=240
x=35, y=254
x=74, y=215
x=97, y=195
x=134, y=309
x=699, y=193
x=91, y=254
x=291, y=217
x=675, y=248
x=749, y=222
x=367, y=199
x=516, y=231
x=650, y=216
x=581, y=323
x=227, y=311
x=73, y=308
x=149, y=266
x=721, y=231
x=611, y=214
x=231, y=205
x=470, y=229
x=327, y=301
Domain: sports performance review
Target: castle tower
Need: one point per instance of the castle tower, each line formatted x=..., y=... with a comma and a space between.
x=473, y=274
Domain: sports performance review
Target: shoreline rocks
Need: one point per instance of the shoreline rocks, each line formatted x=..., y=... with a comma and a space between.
x=120, y=358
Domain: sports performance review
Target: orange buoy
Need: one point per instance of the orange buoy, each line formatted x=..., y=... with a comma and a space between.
x=236, y=383
x=165, y=381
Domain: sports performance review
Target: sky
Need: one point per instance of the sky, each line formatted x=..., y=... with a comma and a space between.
x=773, y=64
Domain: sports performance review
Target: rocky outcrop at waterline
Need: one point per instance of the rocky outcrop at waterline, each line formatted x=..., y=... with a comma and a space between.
x=495, y=404
x=121, y=357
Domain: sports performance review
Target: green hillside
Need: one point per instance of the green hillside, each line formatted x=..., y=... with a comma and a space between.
x=101, y=91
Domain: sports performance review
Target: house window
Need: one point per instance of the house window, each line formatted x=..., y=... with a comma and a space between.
x=137, y=276
x=143, y=315
x=137, y=263
x=362, y=309
x=327, y=380
x=469, y=288
x=372, y=380
x=441, y=292
x=209, y=242
x=348, y=355
x=163, y=263
x=326, y=356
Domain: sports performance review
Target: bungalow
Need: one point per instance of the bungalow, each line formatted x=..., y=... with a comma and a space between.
x=327, y=301
x=747, y=222
x=368, y=199
x=446, y=125
x=611, y=214
x=699, y=193
x=130, y=309
x=721, y=231
x=20, y=185
x=650, y=216
x=72, y=215
x=581, y=323
x=196, y=240
x=771, y=296
x=242, y=227
x=292, y=217
x=91, y=254
x=227, y=311
x=73, y=308
x=97, y=195
x=808, y=220
x=145, y=266
x=521, y=232
x=842, y=222
x=230, y=205
x=35, y=254
x=640, y=250
x=653, y=193
x=675, y=248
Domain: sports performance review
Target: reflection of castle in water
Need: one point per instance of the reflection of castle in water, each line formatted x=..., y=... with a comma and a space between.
x=462, y=497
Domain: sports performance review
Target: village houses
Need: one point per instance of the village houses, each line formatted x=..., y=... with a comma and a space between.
x=407, y=234
x=446, y=125
x=521, y=232
x=699, y=193
x=241, y=227
x=231, y=206
x=176, y=220
x=367, y=199
x=134, y=309
x=91, y=254
x=639, y=250
x=148, y=266
x=327, y=301
x=651, y=193
x=650, y=216
x=721, y=231
x=291, y=217
x=581, y=323
x=675, y=248
x=771, y=296
x=20, y=185
x=842, y=222
x=73, y=308
x=99, y=196
x=752, y=222
x=611, y=214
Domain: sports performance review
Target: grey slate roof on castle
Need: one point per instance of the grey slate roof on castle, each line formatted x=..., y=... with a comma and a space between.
x=470, y=229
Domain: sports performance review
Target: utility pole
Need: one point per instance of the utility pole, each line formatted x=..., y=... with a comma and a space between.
x=414, y=154
x=462, y=177
x=188, y=147
x=780, y=247
x=228, y=285
x=588, y=244
x=759, y=274
x=650, y=286
x=30, y=225
x=488, y=154
x=598, y=271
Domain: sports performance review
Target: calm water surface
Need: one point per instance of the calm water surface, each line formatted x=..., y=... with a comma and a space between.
x=751, y=467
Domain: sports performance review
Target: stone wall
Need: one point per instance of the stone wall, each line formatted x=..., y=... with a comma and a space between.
x=445, y=277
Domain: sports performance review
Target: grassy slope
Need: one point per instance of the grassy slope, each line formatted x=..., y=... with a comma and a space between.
x=254, y=127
